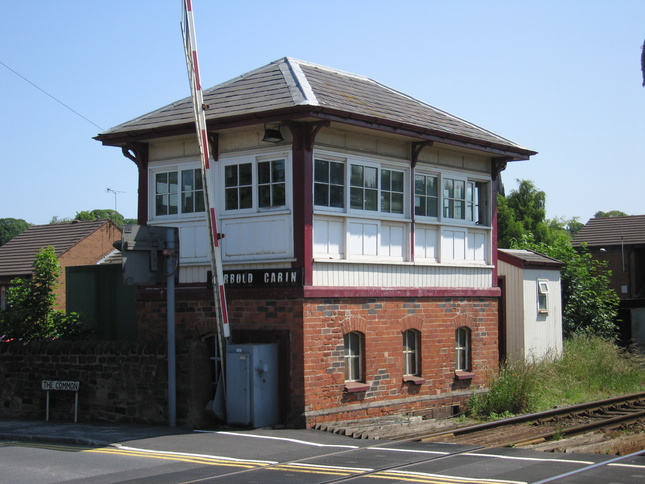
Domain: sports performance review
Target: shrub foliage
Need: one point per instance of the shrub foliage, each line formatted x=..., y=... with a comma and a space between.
x=30, y=313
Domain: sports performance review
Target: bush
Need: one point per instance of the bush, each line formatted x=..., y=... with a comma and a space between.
x=30, y=313
x=512, y=391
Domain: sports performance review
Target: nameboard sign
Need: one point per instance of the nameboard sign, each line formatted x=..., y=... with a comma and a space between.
x=263, y=278
x=61, y=385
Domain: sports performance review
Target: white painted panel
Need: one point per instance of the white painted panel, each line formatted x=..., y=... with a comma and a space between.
x=193, y=241
x=476, y=247
x=453, y=245
x=256, y=237
x=328, y=237
x=392, y=241
x=425, y=243
x=363, y=238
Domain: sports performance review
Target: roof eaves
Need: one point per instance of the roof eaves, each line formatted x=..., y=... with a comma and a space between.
x=528, y=259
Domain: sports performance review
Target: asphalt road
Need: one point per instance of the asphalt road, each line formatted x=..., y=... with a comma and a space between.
x=286, y=456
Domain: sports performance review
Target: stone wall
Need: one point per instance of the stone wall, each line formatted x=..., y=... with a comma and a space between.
x=119, y=381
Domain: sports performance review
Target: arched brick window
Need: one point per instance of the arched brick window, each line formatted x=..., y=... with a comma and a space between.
x=462, y=349
x=354, y=352
x=411, y=356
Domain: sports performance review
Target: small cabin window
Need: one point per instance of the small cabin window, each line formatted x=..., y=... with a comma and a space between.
x=543, y=296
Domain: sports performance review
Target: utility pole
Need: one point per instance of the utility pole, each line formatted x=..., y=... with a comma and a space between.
x=116, y=192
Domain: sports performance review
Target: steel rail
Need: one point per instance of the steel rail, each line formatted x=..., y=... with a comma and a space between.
x=558, y=412
x=611, y=422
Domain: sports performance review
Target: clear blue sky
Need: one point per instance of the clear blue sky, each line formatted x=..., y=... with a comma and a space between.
x=559, y=77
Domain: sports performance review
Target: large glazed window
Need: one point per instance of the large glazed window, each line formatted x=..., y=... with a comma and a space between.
x=426, y=196
x=257, y=185
x=392, y=191
x=238, y=186
x=271, y=184
x=376, y=209
x=329, y=184
x=192, y=191
x=363, y=192
x=454, y=198
x=465, y=200
x=178, y=192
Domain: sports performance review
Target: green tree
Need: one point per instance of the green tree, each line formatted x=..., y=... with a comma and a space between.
x=101, y=214
x=589, y=305
x=10, y=227
x=611, y=213
x=30, y=313
x=523, y=213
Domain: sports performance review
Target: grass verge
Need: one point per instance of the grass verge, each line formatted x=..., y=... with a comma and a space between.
x=590, y=368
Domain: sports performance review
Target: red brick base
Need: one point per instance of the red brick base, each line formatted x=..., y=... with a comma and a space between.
x=309, y=333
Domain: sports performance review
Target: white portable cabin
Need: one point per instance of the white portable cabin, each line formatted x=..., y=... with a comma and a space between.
x=531, y=325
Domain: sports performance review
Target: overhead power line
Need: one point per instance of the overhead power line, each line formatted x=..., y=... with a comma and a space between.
x=53, y=97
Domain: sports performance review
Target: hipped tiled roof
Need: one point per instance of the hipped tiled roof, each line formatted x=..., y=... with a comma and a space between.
x=293, y=89
x=17, y=256
x=609, y=231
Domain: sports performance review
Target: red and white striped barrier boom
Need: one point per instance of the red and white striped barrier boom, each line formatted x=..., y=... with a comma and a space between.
x=190, y=46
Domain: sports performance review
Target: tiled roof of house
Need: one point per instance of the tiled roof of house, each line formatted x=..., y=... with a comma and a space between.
x=296, y=89
x=17, y=256
x=612, y=231
x=527, y=258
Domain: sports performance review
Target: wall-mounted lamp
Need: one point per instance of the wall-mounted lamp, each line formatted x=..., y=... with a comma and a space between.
x=272, y=135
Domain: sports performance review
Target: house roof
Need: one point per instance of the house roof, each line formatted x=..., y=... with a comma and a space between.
x=291, y=89
x=17, y=256
x=612, y=231
x=527, y=259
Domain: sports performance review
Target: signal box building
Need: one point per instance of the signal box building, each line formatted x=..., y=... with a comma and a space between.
x=358, y=232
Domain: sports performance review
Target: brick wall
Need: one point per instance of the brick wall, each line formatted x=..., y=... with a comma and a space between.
x=382, y=322
x=120, y=382
x=310, y=332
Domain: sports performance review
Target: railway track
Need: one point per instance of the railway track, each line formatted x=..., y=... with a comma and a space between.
x=623, y=412
x=600, y=417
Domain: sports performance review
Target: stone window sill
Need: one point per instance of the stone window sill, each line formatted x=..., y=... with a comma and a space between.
x=464, y=375
x=415, y=380
x=356, y=386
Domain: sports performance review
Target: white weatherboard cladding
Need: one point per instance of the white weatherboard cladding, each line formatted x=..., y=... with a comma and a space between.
x=543, y=332
x=515, y=318
x=345, y=274
x=531, y=335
